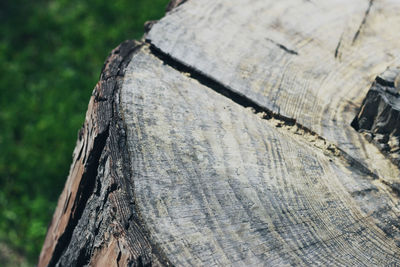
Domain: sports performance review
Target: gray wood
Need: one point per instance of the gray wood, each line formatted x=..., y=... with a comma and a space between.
x=218, y=185
x=226, y=141
x=311, y=61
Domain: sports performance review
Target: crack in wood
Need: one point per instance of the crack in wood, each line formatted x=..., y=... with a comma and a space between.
x=280, y=121
x=84, y=192
x=364, y=20
x=283, y=47
x=337, y=53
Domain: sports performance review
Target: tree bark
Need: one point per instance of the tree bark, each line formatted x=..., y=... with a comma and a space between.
x=226, y=138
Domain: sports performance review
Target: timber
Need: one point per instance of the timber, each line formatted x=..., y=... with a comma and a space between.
x=260, y=133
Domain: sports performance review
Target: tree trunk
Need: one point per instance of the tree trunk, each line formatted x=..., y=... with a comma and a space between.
x=226, y=138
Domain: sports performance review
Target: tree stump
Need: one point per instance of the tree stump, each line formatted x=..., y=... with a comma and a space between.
x=225, y=137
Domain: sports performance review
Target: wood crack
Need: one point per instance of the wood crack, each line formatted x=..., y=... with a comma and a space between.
x=337, y=50
x=283, y=47
x=280, y=121
x=364, y=20
x=84, y=192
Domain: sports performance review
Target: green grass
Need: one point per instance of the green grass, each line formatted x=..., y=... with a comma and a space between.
x=51, y=54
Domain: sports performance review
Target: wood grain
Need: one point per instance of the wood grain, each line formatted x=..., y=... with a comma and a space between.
x=310, y=61
x=215, y=184
x=226, y=141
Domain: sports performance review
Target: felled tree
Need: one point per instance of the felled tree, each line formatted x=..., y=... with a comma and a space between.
x=225, y=138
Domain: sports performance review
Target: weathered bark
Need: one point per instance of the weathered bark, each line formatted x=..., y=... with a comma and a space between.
x=226, y=139
x=379, y=116
x=96, y=221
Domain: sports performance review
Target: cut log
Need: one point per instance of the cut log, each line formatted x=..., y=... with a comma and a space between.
x=226, y=139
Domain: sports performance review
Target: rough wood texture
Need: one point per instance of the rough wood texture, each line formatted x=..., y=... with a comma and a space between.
x=95, y=221
x=218, y=185
x=379, y=118
x=226, y=140
x=308, y=61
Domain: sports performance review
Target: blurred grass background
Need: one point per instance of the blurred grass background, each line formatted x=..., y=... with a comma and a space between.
x=51, y=54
